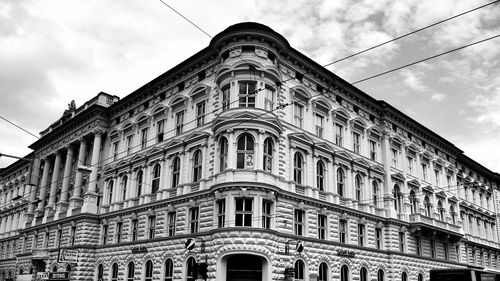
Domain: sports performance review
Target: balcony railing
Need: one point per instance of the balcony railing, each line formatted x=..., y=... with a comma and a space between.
x=433, y=223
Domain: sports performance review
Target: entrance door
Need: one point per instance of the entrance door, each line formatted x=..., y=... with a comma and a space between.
x=244, y=268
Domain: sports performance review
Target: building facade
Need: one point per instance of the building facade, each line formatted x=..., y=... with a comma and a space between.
x=246, y=161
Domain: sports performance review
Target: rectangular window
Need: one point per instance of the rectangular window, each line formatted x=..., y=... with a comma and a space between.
x=46, y=240
x=144, y=138
x=446, y=251
x=395, y=156
x=361, y=235
x=402, y=242
x=221, y=213
x=194, y=215
x=424, y=172
x=129, y=143
x=321, y=227
x=319, y=125
x=298, y=115
x=356, y=142
x=247, y=93
x=200, y=114
x=135, y=228
x=298, y=222
x=115, y=151
x=160, y=127
x=151, y=227
x=433, y=249
x=171, y=223
x=225, y=98
x=59, y=238
x=373, y=150
x=410, y=165
x=104, y=234
x=437, y=173
x=269, y=98
x=266, y=214
x=342, y=231
x=119, y=226
x=339, y=135
x=35, y=241
x=457, y=252
x=418, y=246
x=243, y=214
x=179, y=122
x=72, y=236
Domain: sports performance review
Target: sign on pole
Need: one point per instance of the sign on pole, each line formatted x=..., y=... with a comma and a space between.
x=68, y=256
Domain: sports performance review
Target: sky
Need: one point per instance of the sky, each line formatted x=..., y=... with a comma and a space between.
x=52, y=52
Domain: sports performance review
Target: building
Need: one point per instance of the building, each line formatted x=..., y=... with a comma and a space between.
x=247, y=161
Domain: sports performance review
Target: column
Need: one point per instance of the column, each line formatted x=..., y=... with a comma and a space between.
x=76, y=200
x=90, y=197
x=33, y=185
x=62, y=205
x=386, y=159
x=44, y=184
x=204, y=167
x=55, y=177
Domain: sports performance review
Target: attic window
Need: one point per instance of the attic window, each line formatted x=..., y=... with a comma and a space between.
x=225, y=55
x=394, y=127
x=180, y=86
x=372, y=118
x=299, y=76
x=162, y=95
x=117, y=120
x=248, y=49
x=201, y=75
x=410, y=136
x=271, y=56
x=131, y=112
x=338, y=99
x=356, y=109
x=146, y=104
x=320, y=88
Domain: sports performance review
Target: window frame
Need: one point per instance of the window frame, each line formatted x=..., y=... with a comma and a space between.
x=298, y=168
x=245, y=151
x=243, y=216
x=194, y=217
x=247, y=96
x=299, y=223
x=200, y=113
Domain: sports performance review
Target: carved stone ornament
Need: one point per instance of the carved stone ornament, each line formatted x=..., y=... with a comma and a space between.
x=235, y=53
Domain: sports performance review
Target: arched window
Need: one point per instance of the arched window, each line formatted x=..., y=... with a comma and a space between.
x=148, y=275
x=169, y=270
x=155, y=184
x=190, y=266
x=223, y=147
x=124, y=187
x=413, y=202
x=176, y=171
x=68, y=267
x=363, y=274
x=268, y=155
x=298, y=168
x=453, y=214
x=54, y=269
x=130, y=271
x=340, y=182
x=299, y=270
x=114, y=272
x=358, y=182
x=375, y=193
x=380, y=275
x=441, y=210
x=110, y=192
x=427, y=206
x=397, y=198
x=323, y=272
x=138, y=180
x=197, y=165
x=21, y=271
x=404, y=276
x=245, y=152
x=320, y=175
x=344, y=273
x=420, y=277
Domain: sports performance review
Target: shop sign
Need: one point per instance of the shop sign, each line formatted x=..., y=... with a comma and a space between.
x=68, y=256
x=58, y=275
x=42, y=276
x=346, y=253
x=139, y=249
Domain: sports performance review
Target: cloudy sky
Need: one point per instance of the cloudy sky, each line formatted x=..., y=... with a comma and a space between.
x=52, y=52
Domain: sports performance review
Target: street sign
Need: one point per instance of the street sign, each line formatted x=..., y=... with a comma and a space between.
x=69, y=256
x=42, y=276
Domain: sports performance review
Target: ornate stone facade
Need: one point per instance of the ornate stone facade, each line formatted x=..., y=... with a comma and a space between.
x=273, y=166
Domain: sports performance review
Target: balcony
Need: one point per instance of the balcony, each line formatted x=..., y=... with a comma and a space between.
x=426, y=226
x=40, y=254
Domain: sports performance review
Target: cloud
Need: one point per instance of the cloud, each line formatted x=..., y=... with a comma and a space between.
x=413, y=80
x=438, y=97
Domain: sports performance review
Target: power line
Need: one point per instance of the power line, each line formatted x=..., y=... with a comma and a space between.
x=410, y=33
x=19, y=127
x=426, y=59
x=195, y=25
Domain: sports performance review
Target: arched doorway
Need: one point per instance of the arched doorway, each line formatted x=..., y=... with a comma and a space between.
x=244, y=267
